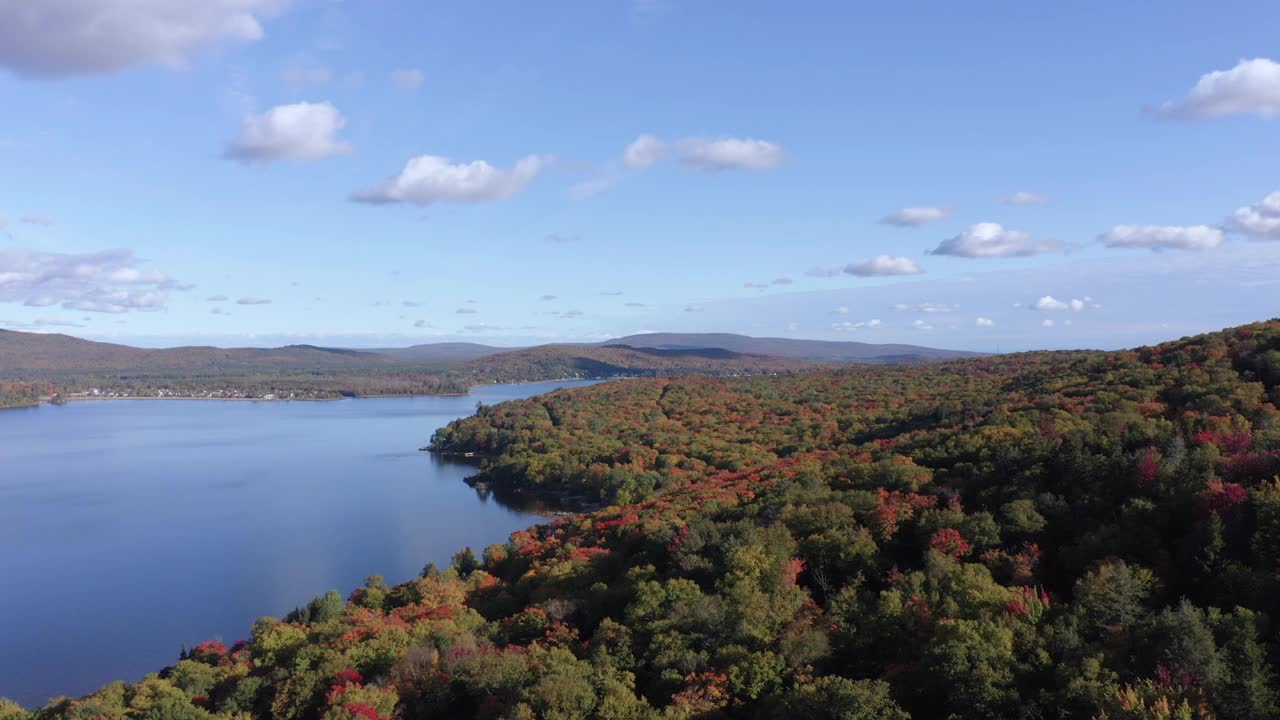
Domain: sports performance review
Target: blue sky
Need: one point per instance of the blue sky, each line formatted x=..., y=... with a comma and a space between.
x=999, y=175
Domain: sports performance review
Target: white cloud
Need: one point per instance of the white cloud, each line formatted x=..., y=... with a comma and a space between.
x=692, y=308
x=926, y=307
x=1163, y=237
x=850, y=326
x=911, y=216
x=1049, y=302
x=1259, y=221
x=644, y=151
x=408, y=78
x=1022, y=197
x=883, y=265
x=217, y=298
x=984, y=322
x=253, y=301
x=547, y=298
x=992, y=240
x=729, y=153
x=301, y=131
x=70, y=37
x=218, y=310
x=781, y=281
x=305, y=75
x=410, y=304
x=427, y=179
x=1251, y=87
x=465, y=311
x=921, y=325
x=842, y=310
x=421, y=324
x=110, y=281
x=1046, y=323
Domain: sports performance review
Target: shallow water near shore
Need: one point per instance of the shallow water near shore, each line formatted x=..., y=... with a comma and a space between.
x=128, y=528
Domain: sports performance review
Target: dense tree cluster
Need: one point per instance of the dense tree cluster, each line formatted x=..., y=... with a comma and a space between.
x=1046, y=535
x=21, y=394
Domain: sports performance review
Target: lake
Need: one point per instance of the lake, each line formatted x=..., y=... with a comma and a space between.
x=128, y=528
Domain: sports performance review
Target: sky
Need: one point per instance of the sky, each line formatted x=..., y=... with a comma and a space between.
x=985, y=176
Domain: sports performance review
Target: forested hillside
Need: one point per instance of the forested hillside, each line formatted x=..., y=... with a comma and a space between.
x=569, y=361
x=1046, y=535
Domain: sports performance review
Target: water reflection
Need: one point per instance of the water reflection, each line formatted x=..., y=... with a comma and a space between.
x=129, y=528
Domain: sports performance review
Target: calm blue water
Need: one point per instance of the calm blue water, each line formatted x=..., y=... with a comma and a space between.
x=130, y=527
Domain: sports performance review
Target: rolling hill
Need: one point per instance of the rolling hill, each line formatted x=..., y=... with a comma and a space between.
x=441, y=352
x=835, y=351
x=20, y=351
x=562, y=361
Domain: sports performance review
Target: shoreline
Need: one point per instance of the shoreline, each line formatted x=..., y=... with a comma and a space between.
x=103, y=398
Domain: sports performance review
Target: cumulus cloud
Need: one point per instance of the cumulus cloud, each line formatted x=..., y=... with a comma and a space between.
x=301, y=131
x=729, y=153
x=1259, y=221
x=911, y=216
x=1252, y=87
x=1022, y=197
x=70, y=37
x=110, y=281
x=927, y=307
x=644, y=151
x=465, y=311
x=984, y=322
x=1046, y=323
x=1049, y=302
x=408, y=78
x=883, y=265
x=428, y=179
x=992, y=240
x=253, y=301
x=842, y=310
x=921, y=325
x=848, y=325
x=1163, y=237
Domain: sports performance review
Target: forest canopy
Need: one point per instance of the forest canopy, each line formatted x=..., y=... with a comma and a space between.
x=1040, y=535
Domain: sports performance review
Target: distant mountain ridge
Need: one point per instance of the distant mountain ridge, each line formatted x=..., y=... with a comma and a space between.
x=442, y=351
x=829, y=350
x=55, y=352
x=593, y=361
x=686, y=352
